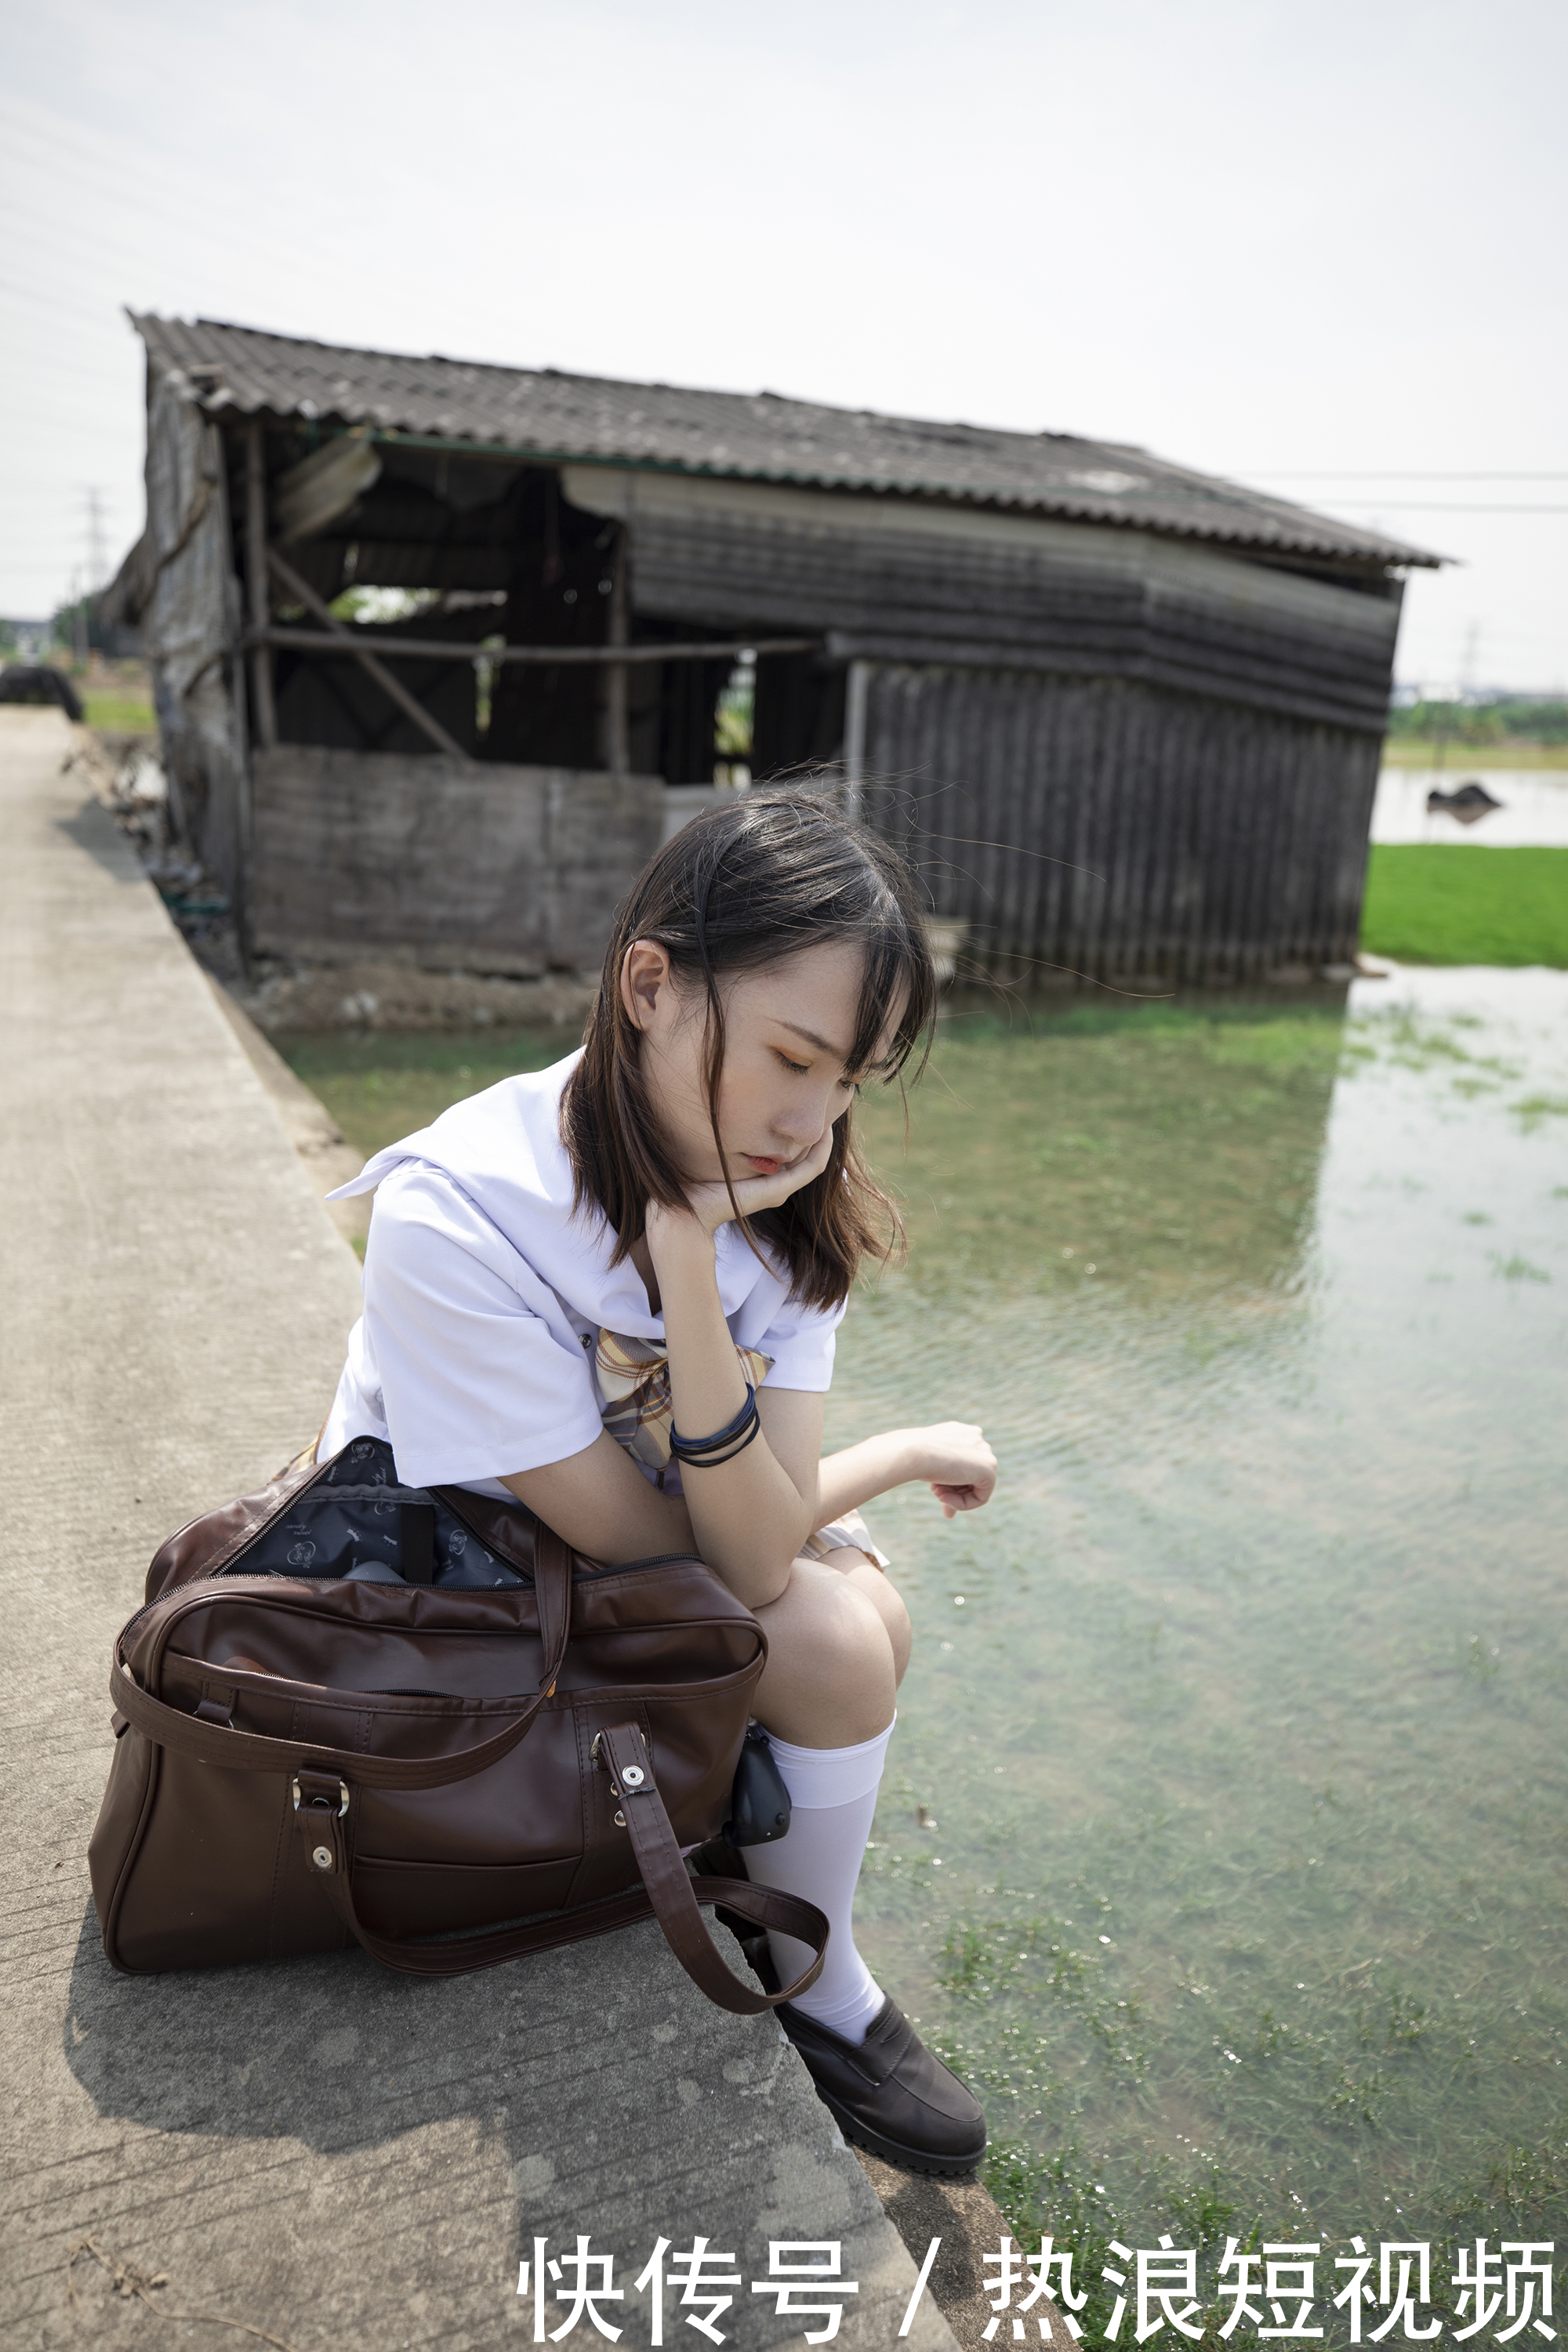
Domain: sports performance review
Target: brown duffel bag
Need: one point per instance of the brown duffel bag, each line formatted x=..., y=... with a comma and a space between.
x=414, y=1719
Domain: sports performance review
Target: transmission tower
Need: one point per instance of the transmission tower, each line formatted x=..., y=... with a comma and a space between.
x=97, y=539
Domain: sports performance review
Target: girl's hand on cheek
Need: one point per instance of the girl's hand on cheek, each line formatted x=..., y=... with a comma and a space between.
x=709, y=1206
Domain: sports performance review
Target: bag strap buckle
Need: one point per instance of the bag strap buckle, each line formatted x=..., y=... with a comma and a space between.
x=318, y=1790
x=634, y=1778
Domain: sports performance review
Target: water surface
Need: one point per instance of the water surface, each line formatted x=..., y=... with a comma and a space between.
x=1531, y=811
x=1237, y=1721
x=1224, y=1838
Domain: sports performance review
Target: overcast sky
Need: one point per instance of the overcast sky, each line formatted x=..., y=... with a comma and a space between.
x=1318, y=248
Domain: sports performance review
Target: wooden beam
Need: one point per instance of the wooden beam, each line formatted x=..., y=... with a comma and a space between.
x=617, y=730
x=343, y=638
x=256, y=584
x=855, y=698
x=310, y=641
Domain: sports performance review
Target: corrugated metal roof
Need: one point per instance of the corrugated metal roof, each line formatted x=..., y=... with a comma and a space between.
x=756, y=437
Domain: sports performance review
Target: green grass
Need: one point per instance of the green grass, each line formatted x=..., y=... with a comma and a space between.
x=119, y=714
x=1466, y=759
x=1447, y=903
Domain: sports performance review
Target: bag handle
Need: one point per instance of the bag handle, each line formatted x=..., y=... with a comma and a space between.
x=667, y=1891
x=249, y=1751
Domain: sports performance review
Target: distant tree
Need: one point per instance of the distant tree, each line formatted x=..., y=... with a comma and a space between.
x=1504, y=719
x=8, y=638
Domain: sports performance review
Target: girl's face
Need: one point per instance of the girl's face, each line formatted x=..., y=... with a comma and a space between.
x=788, y=1029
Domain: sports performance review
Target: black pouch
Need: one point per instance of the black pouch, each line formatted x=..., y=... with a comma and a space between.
x=759, y=1801
x=358, y=1523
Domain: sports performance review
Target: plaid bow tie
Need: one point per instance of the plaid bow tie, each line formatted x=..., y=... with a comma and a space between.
x=635, y=1384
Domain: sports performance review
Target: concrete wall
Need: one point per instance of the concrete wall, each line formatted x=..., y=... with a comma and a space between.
x=445, y=862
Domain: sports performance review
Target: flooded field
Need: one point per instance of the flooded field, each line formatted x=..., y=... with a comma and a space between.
x=1531, y=808
x=1223, y=1843
x=1236, y=1725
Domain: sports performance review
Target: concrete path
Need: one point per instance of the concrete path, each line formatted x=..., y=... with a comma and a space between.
x=323, y=2153
x=328, y=1158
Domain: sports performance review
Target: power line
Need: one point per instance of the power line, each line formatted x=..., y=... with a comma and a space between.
x=192, y=201
x=111, y=311
x=149, y=247
x=211, y=227
x=1322, y=474
x=47, y=363
x=1430, y=506
x=71, y=421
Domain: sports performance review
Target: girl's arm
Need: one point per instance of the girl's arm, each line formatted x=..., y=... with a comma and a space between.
x=749, y=1517
x=952, y=1458
x=751, y=1514
x=602, y=1504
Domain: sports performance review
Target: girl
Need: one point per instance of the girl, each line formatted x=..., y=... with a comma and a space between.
x=610, y=1289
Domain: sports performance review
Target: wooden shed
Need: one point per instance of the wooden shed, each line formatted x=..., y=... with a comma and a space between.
x=1127, y=717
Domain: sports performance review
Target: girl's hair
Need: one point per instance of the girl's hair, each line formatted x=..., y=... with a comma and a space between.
x=778, y=869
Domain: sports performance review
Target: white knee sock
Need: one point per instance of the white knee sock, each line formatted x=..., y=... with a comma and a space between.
x=833, y=1795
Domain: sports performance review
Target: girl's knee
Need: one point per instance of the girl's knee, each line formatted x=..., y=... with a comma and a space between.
x=895, y=1621
x=863, y=1575
x=852, y=1638
x=828, y=1637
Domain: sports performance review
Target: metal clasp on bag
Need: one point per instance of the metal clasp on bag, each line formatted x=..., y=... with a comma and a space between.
x=634, y=1775
x=342, y=1793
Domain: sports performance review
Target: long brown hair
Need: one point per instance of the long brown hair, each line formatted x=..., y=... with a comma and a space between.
x=777, y=869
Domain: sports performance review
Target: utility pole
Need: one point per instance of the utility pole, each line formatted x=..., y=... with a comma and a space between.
x=263, y=706
x=1459, y=693
x=617, y=730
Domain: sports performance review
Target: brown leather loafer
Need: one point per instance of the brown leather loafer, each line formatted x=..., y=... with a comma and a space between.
x=890, y=2094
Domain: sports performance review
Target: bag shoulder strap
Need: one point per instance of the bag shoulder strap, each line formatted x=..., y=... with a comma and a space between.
x=674, y=1899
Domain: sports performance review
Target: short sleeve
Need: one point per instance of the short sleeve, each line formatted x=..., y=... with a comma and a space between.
x=801, y=1340
x=480, y=1375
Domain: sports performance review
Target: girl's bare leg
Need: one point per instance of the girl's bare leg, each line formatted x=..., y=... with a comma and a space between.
x=866, y=1577
x=838, y=1642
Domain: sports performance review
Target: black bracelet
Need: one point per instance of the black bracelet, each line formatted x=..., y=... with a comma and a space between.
x=685, y=1449
x=717, y=1461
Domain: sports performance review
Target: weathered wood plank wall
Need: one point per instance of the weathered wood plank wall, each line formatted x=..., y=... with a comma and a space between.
x=441, y=863
x=1106, y=827
x=904, y=582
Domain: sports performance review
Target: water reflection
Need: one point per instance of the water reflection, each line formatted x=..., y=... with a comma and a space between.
x=1531, y=809
x=1239, y=1716
x=1159, y=1148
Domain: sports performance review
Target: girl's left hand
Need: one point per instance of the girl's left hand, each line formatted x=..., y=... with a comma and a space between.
x=958, y=1465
